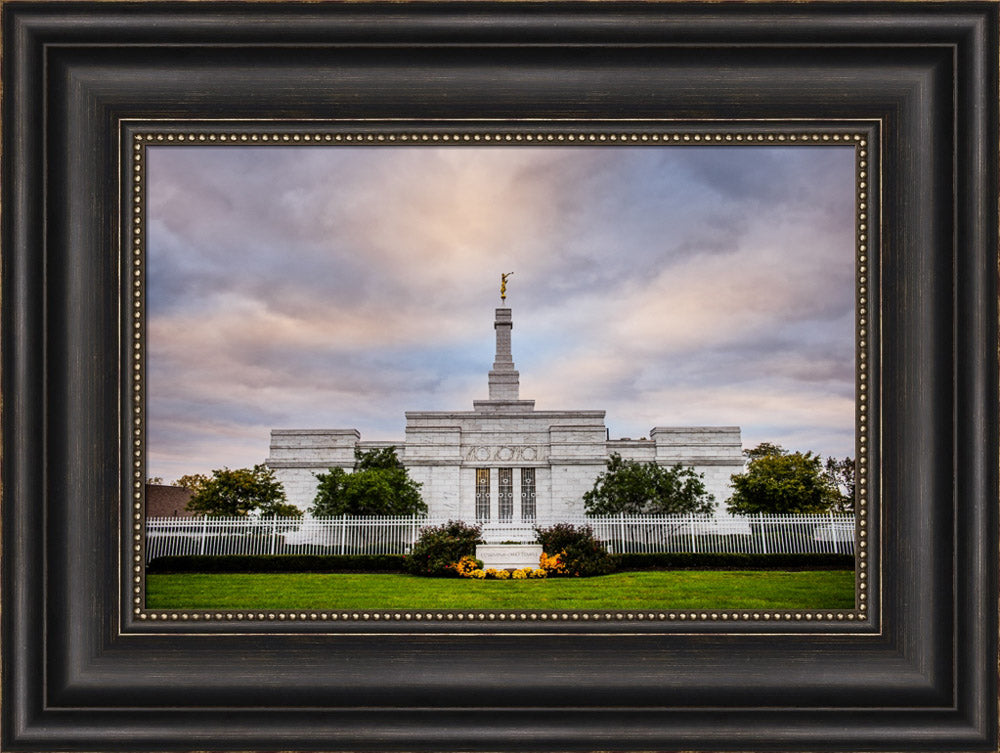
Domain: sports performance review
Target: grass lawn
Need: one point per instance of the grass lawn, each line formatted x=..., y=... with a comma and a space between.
x=706, y=589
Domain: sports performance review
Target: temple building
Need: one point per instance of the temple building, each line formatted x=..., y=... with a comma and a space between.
x=504, y=460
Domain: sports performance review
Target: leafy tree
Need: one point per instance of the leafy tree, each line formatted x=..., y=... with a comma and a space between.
x=841, y=474
x=192, y=481
x=629, y=486
x=154, y=480
x=384, y=459
x=330, y=493
x=379, y=485
x=778, y=482
x=237, y=493
x=764, y=449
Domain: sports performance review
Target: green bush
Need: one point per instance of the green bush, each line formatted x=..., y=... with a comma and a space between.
x=438, y=547
x=278, y=563
x=734, y=561
x=578, y=549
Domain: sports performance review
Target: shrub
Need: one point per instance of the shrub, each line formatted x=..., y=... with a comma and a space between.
x=579, y=551
x=538, y=573
x=439, y=547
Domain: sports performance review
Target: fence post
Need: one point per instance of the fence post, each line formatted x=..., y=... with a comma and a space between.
x=621, y=530
x=204, y=532
x=763, y=538
x=833, y=533
x=694, y=546
x=274, y=534
x=343, y=531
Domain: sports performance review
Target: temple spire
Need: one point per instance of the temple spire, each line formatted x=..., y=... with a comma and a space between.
x=504, y=379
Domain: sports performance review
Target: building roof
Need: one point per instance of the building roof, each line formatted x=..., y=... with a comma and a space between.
x=164, y=501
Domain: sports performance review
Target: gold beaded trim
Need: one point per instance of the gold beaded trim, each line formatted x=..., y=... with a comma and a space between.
x=494, y=616
x=137, y=234
x=500, y=138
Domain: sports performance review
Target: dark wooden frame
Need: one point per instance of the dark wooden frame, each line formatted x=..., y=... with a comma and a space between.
x=79, y=674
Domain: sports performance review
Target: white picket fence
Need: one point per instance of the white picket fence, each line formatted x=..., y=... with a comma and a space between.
x=764, y=534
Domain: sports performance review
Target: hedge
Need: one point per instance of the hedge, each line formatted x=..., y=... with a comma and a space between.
x=393, y=563
x=279, y=563
x=734, y=561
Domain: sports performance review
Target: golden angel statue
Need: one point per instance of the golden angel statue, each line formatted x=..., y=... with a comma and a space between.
x=503, y=285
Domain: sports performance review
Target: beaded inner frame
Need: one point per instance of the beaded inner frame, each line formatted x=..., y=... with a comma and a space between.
x=136, y=137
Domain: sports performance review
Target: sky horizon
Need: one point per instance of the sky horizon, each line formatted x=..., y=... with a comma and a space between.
x=337, y=287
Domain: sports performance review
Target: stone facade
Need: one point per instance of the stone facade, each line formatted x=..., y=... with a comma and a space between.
x=504, y=460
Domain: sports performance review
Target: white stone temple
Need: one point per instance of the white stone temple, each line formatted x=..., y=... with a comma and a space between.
x=503, y=460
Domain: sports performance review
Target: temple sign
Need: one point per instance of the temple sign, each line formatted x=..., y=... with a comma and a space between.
x=503, y=285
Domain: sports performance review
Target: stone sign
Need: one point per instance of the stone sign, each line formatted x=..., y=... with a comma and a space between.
x=509, y=556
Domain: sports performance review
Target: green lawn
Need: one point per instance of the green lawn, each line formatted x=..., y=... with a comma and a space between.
x=743, y=589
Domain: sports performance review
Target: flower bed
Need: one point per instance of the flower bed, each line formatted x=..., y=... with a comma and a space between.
x=470, y=567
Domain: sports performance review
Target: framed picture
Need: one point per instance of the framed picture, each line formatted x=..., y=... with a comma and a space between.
x=96, y=93
x=654, y=268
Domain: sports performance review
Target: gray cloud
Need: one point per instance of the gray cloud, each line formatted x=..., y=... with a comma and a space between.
x=341, y=286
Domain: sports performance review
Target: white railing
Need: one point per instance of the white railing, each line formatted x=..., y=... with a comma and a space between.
x=755, y=534
x=763, y=534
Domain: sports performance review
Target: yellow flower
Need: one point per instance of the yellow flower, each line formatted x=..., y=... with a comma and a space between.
x=466, y=565
x=538, y=573
x=519, y=575
x=502, y=575
x=478, y=574
x=552, y=563
x=492, y=572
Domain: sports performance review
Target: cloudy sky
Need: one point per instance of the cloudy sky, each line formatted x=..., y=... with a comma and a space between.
x=336, y=287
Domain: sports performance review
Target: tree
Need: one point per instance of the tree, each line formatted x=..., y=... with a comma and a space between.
x=378, y=485
x=192, y=481
x=778, y=482
x=764, y=449
x=384, y=459
x=628, y=486
x=841, y=474
x=238, y=492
